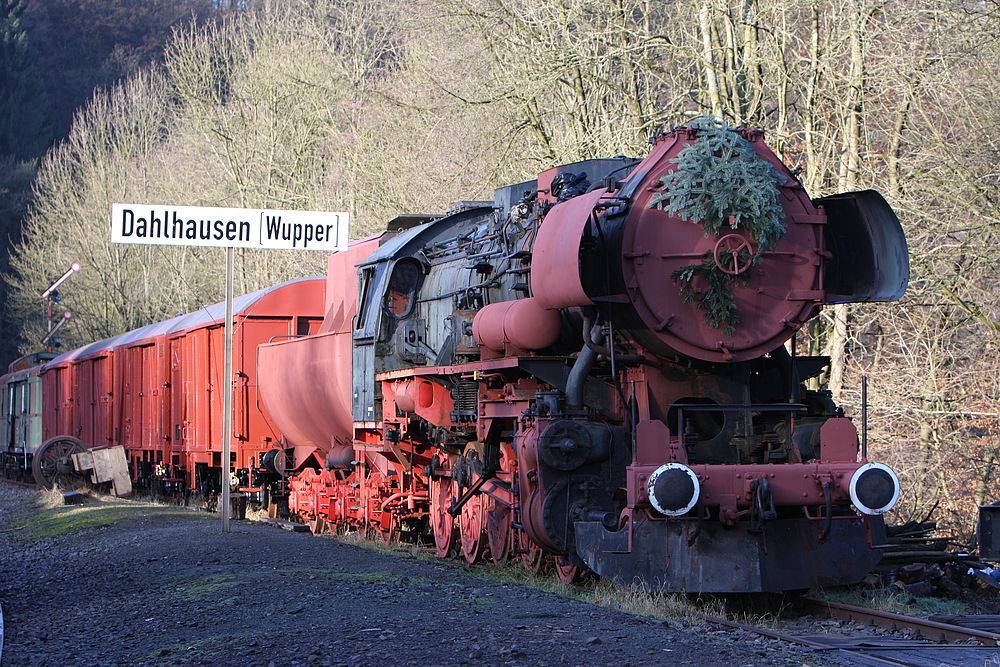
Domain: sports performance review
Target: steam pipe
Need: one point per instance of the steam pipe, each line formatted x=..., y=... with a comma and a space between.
x=591, y=340
x=583, y=364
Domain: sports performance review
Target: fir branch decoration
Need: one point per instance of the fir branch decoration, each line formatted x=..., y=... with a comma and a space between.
x=717, y=301
x=720, y=179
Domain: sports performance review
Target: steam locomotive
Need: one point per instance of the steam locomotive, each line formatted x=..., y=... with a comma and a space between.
x=597, y=369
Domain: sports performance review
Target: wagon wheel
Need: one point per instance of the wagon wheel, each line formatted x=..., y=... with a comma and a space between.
x=442, y=493
x=499, y=534
x=52, y=464
x=472, y=528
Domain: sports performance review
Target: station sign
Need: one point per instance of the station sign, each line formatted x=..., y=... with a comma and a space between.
x=228, y=227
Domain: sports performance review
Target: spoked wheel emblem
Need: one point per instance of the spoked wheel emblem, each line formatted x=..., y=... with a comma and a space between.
x=733, y=254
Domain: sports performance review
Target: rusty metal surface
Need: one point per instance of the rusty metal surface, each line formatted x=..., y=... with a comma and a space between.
x=724, y=559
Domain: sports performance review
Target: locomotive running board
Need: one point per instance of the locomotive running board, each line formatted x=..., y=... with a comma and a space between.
x=786, y=556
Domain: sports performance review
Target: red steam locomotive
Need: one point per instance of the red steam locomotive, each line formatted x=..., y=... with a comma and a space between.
x=596, y=368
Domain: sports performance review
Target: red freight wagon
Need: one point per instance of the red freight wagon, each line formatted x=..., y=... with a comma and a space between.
x=94, y=392
x=194, y=367
x=156, y=391
x=58, y=396
x=142, y=403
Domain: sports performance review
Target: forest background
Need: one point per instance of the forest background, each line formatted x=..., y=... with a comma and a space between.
x=380, y=107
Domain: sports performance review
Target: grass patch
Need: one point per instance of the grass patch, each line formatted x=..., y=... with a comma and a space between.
x=478, y=603
x=56, y=521
x=896, y=602
x=215, y=587
x=595, y=591
x=333, y=573
x=395, y=548
x=642, y=603
x=603, y=593
x=205, y=587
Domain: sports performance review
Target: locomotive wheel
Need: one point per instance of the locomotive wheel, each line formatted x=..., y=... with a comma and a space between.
x=500, y=517
x=472, y=528
x=570, y=574
x=442, y=493
x=389, y=527
x=52, y=464
x=532, y=557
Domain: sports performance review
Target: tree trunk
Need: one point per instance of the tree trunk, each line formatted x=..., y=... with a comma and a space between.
x=708, y=61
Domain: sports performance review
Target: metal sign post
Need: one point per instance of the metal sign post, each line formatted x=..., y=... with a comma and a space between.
x=229, y=228
x=227, y=402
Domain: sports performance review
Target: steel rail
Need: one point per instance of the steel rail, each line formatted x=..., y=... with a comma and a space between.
x=931, y=630
x=829, y=649
x=879, y=652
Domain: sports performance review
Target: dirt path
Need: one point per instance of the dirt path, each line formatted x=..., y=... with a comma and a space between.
x=166, y=587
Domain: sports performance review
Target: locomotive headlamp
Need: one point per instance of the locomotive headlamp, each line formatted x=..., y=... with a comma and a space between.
x=673, y=489
x=874, y=488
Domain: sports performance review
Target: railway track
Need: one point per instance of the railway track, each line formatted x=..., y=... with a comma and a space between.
x=916, y=642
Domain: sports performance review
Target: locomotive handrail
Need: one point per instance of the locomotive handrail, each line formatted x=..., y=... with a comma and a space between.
x=768, y=407
x=274, y=338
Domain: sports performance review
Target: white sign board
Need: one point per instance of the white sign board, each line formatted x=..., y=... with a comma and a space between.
x=228, y=227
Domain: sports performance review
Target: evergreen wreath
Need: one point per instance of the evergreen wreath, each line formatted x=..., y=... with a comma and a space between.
x=720, y=180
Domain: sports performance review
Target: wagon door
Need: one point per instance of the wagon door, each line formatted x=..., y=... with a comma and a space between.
x=252, y=430
x=178, y=406
x=149, y=395
x=131, y=403
x=83, y=407
x=195, y=356
x=103, y=389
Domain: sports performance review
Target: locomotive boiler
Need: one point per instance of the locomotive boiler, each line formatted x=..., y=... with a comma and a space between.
x=598, y=369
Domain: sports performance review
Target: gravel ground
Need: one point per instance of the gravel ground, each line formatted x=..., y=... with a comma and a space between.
x=167, y=587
